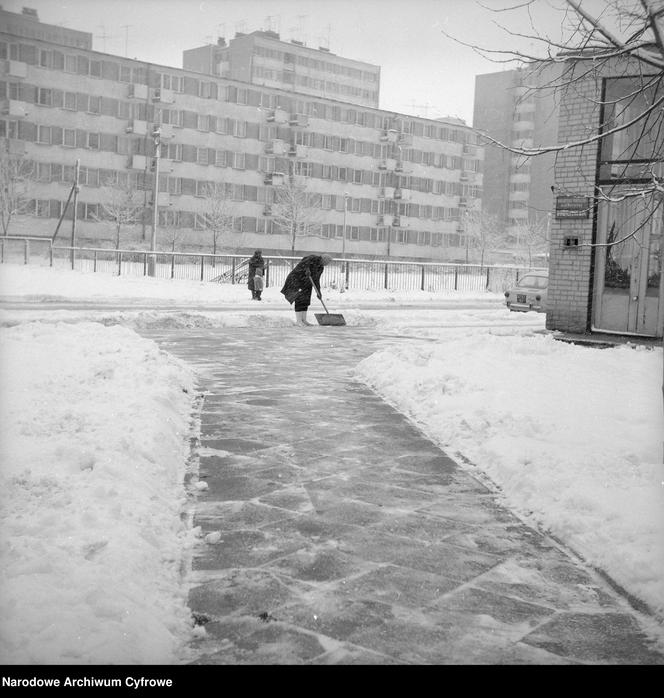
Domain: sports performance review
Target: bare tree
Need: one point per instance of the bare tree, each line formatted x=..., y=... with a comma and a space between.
x=484, y=232
x=17, y=178
x=296, y=211
x=531, y=239
x=627, y=31
x=217, y=214
x=121, y=204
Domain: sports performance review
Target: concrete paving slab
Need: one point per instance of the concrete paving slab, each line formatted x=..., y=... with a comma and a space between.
x=347, y=537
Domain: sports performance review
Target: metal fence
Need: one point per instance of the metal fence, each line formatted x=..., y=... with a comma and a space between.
x=349, y=273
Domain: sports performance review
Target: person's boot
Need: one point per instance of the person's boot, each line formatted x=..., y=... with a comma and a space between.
x=301, y=318
x=304, y=318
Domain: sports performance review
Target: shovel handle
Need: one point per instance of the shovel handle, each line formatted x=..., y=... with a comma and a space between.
x=318, y=293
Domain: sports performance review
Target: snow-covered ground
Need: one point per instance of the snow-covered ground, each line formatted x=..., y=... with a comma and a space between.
x=95, y=422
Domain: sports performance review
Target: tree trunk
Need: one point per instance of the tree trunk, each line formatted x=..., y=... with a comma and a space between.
x=117, y=236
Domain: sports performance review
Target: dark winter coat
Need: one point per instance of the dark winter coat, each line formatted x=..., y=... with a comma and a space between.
x=297, y=285
x=255, y=262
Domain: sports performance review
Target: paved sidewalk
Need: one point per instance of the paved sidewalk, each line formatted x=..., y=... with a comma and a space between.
x=349, y=538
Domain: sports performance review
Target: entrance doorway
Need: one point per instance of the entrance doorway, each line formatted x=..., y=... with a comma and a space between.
x=628, y=294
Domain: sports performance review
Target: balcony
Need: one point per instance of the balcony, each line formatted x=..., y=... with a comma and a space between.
x=273, y=178
x=13, y=107
x=137, y=127
x=137, y=91
x=17, y=69
x=277, y=116
x=137, y=162
x=382, y=165
x=297, y=151
x=163, y=96
x=276, y=147
x=398, y=194
x=298, y=120
x=166, y=131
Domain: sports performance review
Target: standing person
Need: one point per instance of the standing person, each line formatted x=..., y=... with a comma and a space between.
x=258, y=283
x=302, y=278
x=255, y=262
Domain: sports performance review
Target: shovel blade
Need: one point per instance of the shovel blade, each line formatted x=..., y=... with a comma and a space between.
x=330, y=319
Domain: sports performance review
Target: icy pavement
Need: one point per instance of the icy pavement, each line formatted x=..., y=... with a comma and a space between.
x=334, y=532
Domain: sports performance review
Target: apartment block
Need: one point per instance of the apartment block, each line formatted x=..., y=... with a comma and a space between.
x=518, y=108
x=382, y=183
x=261, y=58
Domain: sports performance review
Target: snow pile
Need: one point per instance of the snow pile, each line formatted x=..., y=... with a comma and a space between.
x=94, y=426
x=572, y=436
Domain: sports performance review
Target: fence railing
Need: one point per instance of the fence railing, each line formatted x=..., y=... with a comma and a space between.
x=224, y=268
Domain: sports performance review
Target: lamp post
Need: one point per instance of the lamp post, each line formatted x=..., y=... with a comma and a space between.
x=343, y=235
x=465, y=232
x=156, y=134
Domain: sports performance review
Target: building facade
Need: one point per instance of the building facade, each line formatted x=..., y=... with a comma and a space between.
x=27, y=25
x=261, y=58
x=606, y=252
x=518, y=108
x=382, y=183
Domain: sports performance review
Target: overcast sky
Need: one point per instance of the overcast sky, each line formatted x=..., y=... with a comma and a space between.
x=422, y=71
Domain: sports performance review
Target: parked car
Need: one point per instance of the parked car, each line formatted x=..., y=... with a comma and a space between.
x=529, y=293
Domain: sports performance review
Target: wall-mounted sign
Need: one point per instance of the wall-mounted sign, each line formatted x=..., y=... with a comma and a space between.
x=572, y=207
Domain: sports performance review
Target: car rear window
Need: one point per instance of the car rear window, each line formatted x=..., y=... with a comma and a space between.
x=534, y=281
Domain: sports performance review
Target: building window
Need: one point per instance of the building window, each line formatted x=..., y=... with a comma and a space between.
x=238, y=161
x=69, y=140
x=44, y=135
x=94, y=105
x=45, y=97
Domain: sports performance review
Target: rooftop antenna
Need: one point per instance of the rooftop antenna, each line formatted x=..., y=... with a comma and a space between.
x=425, y=107
x=325, y=37
x=103, y=36
x=126, y=28
x=301, y=22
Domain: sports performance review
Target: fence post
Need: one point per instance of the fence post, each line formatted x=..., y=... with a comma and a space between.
x=347, y=273
x=456, y=277
x=119, y=263
x=422, y=284
x=267, y=273
x=172, y=265
x=202, y=267
x=233, y=270
x=26, y=252
x=488, y=271
x=94, y=264
x=50, y=254
x=386, y=267
x=145, y=264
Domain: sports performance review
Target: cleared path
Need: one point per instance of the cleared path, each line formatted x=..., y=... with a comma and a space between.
x=347, y=537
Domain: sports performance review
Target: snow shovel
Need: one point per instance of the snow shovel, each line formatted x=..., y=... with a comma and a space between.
x=327, y=318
